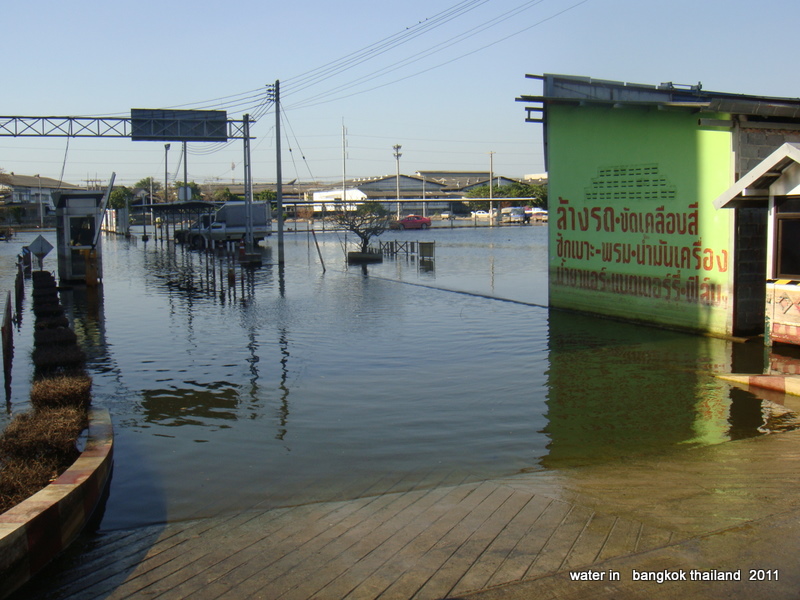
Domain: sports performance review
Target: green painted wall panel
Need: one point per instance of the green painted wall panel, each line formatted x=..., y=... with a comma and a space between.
x=633, y=232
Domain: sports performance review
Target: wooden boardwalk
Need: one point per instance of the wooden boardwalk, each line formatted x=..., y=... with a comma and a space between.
x=453, y=541
x=423, y=544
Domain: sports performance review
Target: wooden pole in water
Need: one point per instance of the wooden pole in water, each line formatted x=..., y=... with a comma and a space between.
x=318, y=250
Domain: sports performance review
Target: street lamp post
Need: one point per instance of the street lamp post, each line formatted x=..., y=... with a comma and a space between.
x=397, y=156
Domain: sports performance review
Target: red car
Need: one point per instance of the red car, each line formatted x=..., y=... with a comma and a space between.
x=411, y=222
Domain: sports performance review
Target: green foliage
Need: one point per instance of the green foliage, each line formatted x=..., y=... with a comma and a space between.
x=145, y=184
x=513, y=190
x=266, y=196
x=119, y=197
x=225, y=196
x=197, y=193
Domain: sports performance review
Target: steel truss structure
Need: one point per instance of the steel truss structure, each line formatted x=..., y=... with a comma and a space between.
x=109, y=127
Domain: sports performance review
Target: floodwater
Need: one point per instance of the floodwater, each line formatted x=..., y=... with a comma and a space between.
x=231, y=389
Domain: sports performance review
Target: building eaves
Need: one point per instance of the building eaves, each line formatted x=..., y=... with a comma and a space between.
x=587, y=91
x=32, y=181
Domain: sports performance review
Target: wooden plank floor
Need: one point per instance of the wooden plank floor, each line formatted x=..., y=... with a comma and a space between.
x=450, y=541
x=423, y=544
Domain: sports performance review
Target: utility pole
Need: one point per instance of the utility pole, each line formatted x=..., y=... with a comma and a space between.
x=248, y=188
x=491, y=192
x=344, y=167
x=166, y=175
x=397, y=156
x=186, y=193
x=277, y=92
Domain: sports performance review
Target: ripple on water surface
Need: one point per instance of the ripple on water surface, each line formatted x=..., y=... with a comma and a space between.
x=288, y=389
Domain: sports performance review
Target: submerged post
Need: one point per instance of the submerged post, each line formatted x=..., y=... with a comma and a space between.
x=279, y=190
x=248, y=188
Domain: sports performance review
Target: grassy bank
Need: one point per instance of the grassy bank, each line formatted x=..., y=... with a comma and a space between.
x=38, y=445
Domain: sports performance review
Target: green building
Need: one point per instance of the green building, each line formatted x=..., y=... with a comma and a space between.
x=634, y=173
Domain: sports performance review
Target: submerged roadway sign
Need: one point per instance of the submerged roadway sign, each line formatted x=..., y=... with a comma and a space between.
x=40, y=248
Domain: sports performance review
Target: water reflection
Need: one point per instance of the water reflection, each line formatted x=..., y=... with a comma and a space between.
x=303, y=385
x=617, y=390
x=207, y=404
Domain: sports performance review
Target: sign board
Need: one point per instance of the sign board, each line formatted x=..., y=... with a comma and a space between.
x=158, y=125
x=40, y=247
x=184, y=193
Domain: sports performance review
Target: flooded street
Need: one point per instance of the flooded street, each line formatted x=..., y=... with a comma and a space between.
x=233, y=389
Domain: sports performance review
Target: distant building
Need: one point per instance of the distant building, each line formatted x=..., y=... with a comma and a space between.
x=27, y=193
x=634, y=172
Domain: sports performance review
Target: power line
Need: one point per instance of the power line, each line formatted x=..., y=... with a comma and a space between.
x=327, y=98
x=436, y=48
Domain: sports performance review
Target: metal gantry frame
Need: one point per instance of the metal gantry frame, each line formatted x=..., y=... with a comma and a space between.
x=116, y=127
x=122, y=127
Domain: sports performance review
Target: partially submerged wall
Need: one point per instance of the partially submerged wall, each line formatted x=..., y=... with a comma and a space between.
x=633, y=233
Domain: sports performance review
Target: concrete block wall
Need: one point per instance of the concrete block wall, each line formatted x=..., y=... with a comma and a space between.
x=757, y=144
x=751, y=271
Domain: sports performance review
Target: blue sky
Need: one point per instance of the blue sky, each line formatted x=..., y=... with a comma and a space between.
x=446, y=93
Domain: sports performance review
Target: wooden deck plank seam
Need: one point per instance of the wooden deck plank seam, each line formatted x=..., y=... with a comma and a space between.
x=472, y=528
x=441, y=544
x=605, y=541
x=447, y=514
x=517, y=551
x=489, y=543
x=149, y=566
x=188, y=572
x=547, y=541
x=505, y=559
x=347, y=540
x=310, y=533
x=377, y=537
x=576, y=540
x=376, y=550
x=296, y=550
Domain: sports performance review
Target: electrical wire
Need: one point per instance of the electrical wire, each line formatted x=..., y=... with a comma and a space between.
x=288, y=128
x=329, y=98
x=441, y=46
x=356, y=58
x=63, y=165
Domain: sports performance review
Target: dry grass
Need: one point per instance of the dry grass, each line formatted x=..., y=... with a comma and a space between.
x=38, y=446
x=43, y=433
x=35, y=448
x=73, y=390
x=21, y=479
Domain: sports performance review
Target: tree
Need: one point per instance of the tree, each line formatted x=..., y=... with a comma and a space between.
x=368, y=220
x=266, y=196
x=145, y=185
x=504, y=192
x=194, y=187
x=224, y=196
x=119, y=197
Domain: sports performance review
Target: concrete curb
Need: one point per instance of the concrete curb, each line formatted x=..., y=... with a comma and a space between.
x=788, y=384
x=39, y=528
